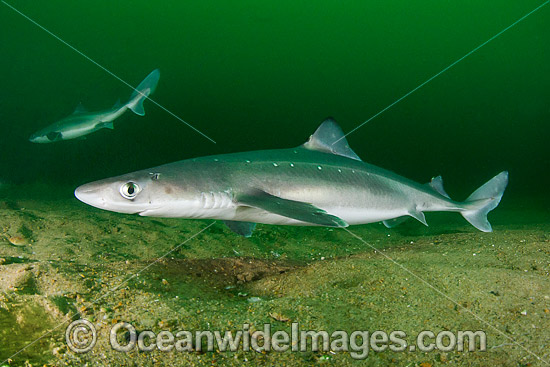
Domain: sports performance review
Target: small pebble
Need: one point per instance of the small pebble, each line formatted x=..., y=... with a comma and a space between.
x=277, y=316
x=18, y=241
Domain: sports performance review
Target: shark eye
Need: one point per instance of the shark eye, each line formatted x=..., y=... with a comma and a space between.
x=129, y=190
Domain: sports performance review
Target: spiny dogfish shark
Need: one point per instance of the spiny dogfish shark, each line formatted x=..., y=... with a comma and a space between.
x=82, y=122
x=320, y=183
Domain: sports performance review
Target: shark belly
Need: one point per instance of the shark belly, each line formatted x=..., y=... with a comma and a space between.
x=354, y=195
x=79, y=131
x=352, y=217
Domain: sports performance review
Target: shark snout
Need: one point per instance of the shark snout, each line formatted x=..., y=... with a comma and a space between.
x=89, y=194
x=107, y=196
x=37, y=138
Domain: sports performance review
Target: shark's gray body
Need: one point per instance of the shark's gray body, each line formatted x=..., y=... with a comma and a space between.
x=79, y=124
x=82, y=122
x=322, y=182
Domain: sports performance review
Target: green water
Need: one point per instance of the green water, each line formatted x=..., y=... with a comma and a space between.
x=263, y=75
x=258, y=75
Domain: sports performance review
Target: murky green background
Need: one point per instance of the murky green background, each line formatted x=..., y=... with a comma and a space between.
x=264, y=74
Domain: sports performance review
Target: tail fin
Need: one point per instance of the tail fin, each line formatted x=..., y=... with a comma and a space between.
x=483, y=200
x=144, y=89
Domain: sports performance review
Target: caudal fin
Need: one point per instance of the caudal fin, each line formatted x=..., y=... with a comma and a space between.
x=143, y=90
x=483, y=200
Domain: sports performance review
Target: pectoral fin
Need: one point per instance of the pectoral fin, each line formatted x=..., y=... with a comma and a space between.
x=291, y=209
x=244, y=229
x=54, y=136
x=108, y=125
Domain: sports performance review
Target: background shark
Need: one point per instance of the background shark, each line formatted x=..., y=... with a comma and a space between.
x=82, y=123
x=323, y=182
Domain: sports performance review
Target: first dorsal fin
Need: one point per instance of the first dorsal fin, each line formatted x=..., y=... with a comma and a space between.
x=330, y=138
x=80, y=109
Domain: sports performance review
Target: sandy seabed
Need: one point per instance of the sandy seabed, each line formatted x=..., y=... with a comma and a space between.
x=61, y=261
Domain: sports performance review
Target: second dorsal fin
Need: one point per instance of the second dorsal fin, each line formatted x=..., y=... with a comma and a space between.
x=437, y=185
